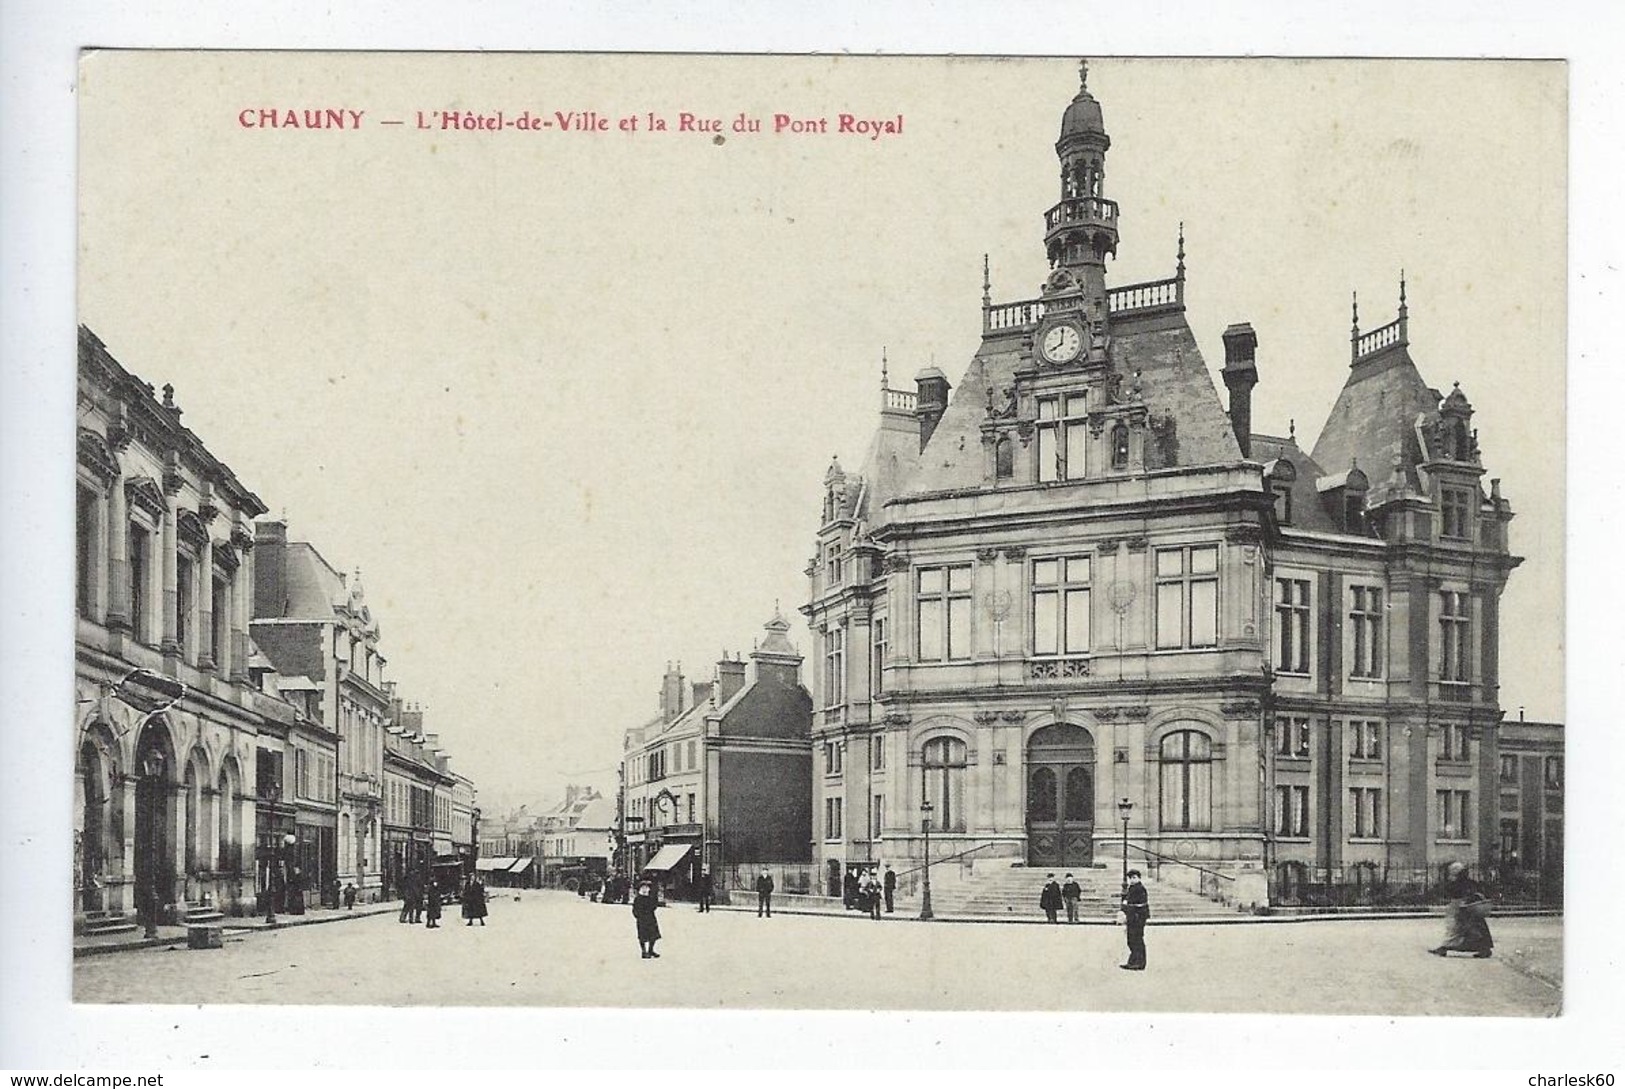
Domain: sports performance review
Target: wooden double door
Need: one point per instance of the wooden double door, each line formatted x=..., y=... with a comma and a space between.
x=1061, y=797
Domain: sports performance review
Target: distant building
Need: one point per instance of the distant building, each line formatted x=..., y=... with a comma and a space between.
x=721, y=776
x=1529, y=777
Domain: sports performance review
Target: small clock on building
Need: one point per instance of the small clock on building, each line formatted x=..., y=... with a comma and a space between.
x=1061, y=343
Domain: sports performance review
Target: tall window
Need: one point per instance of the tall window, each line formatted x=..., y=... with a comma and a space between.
x=138, y=581
x=1063, y=437
x=877, y=810
x=183, y=601
x=1509, y=768
x=877, y=753
x=1061, y=605
x=832, y=818
x=1004, y=458
x=1454, y=744
x=1120, y=447
x=943, y=609
x=692, y=761
x=1365, y=740
x=1365, y=809
x=944, y=766
x=1365, y=620
x=833, y=567
x=1456, y=508
x=1282, y=494
x=87, y=522
x=877, y=667
x=219, y=621
x=1453, y=814
x=834, y=666
x=1292, y=735
x=1187, y=781
x=1292, y=625
x=1554, y=773
x=1453, y=633
x=832, y=758
x=1187, y=597
x=691, y=809
x=1292, y=811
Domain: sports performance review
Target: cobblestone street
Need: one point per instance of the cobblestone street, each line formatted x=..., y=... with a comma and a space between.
x=552, y=949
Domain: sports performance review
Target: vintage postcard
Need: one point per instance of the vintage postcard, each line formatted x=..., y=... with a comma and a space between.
x=919, y=533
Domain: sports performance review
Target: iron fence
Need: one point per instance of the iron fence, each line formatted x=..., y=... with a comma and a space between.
x=1297, y=884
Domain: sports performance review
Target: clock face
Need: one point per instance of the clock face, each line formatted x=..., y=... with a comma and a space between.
x=1061, y=344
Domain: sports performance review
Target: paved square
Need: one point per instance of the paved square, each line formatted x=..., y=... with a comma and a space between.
x=552, y=949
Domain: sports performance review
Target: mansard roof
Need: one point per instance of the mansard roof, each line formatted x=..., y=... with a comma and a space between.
x=1374, y=420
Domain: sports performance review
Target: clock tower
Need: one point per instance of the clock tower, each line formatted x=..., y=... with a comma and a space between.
x=1081, y=229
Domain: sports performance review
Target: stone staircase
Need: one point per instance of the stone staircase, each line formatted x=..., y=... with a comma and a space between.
x=992, y=890
x=204, y=915
x=102, y=924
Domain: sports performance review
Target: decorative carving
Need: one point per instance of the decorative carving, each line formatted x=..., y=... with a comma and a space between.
x=241, y=539
x=999, y=757
x=1024, y=431
x=1239, y=709
x=1107, y=714
x=895, y=561
x=987, y=555
x=1136, y=714
x=1014, y=717
x=1120, y=755
x=142, y=493
x=1059, y=669
x=986, y=718
x=1015, y=553
x=225, y=557
x=1107, y=546
x=189, y=527
x=897, y=718
x=1137, y=544
x=1244, y=534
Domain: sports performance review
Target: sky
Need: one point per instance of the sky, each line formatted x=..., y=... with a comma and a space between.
x=566, y=398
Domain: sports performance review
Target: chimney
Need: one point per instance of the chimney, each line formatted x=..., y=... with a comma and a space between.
x=671, y=693
x=270, y=578
x=1240, y=376
x=931, y=401
x=730, y=678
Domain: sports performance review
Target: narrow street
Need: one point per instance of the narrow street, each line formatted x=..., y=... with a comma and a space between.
x=553, y=949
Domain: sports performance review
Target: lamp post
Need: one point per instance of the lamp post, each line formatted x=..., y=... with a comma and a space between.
x=1124, y=809
x=925, y=892
x=632, y=825
x=153, y=769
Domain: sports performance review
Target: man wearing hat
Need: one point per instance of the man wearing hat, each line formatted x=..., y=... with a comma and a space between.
x=1136, y=910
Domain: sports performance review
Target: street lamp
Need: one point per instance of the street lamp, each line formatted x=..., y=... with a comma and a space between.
x=1124, y=809
x=925, y=892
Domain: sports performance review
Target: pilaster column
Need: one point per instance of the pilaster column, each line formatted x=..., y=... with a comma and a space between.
x=205, y=612
x=125, y=863
x=118, y=556
x=170, y=644
x=242, y=604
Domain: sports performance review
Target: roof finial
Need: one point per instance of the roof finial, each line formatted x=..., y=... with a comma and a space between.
x=1356, y=310
x=1083, y=76
x=1402, y=295
x=1292, y=430
x=883, y=379
x=1180, y=270
x=987, y=285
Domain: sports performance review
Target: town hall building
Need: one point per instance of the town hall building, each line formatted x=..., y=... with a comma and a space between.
x=1076, y=590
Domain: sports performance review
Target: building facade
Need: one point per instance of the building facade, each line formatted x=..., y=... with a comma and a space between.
x=166, y=715
x=720, y=777
x=1077, y=586
x=1529, y=777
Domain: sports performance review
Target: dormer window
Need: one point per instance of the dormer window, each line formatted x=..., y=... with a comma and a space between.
x=1120, y=446
x=1063, y=436
x=1456, y=513
x=833, y=565
x=1283, y=503
x=1004, y=459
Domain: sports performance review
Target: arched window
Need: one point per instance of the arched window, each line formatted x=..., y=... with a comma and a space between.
x=1187, y=781
x=944, y=760
x=1004, y=459
x=194, y=818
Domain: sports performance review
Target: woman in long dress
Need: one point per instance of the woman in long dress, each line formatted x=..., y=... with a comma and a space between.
x=643, y=910
x=1466, y=927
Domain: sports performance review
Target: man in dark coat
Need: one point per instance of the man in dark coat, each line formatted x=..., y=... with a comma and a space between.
x=432, y=908
x=890, y=882
x=1050, y=898
x=849, y=889
x=1071, y=892
x=707, y=887
x=1136, y=910
x=406, y=900
x=474, y=902
x=1467, y=927
x=764, y=895
x=643, y=910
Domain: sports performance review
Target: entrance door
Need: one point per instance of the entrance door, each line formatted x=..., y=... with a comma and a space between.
x=1061, y=797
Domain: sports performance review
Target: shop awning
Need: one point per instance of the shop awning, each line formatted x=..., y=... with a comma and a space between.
x=520, y=865
x=495, y=865
x=669, y=856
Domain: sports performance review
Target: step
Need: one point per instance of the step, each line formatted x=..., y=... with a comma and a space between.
x=107, y=927
x=198, y=916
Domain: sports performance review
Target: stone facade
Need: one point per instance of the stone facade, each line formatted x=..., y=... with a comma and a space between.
x=1077, y=586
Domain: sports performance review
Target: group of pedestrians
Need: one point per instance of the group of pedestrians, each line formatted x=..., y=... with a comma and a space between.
x=865, y=890
x=421, y=902
x=1056, y=896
